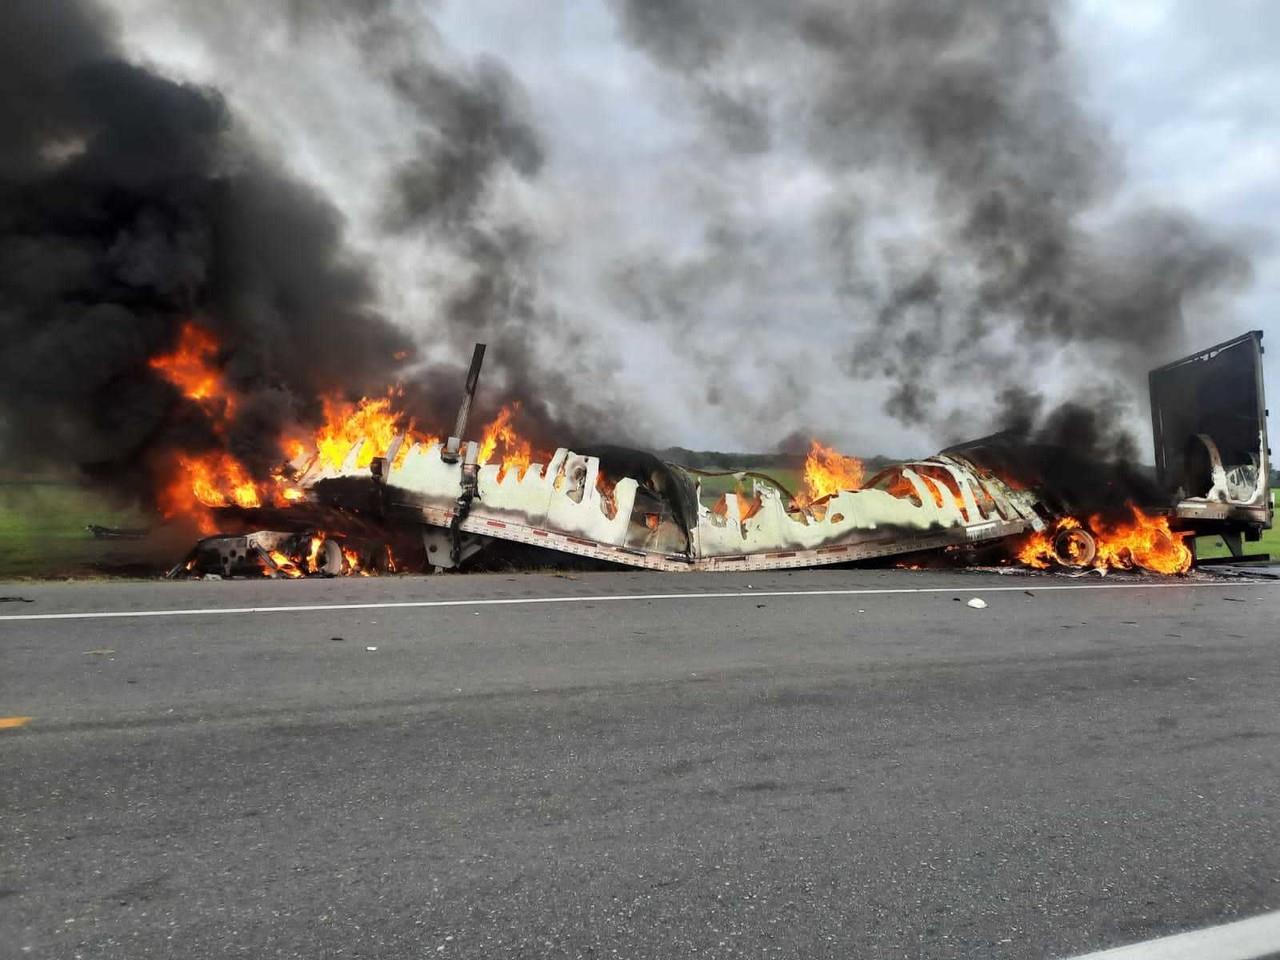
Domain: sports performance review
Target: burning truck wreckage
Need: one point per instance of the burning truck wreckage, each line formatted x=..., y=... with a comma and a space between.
x=370, y=494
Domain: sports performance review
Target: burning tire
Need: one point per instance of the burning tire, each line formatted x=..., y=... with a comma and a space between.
x=1075, y=547
x=327, y=559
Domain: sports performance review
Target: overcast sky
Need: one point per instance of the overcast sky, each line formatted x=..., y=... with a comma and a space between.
x=1189, y=90
x=1186, y=89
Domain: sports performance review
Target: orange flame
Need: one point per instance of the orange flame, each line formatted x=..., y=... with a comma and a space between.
x=359, y=431
x=285, y=565
x=207, y=480
x=353, y=562
x=827, y=471
x=371, y=424
x=608, y=501
x=305, y=557
x=313, y=554
x=287, y=494
x=500, y=436
x=1145, y=541
x=217, y=478
x=747, y=505
x=1036, y=549
x=191, y=368
x=897, y=485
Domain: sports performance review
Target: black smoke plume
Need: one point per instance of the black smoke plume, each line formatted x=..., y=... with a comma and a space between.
x=470, y=125
x=132, y=204
x=1078, y=455
x=129, y=206
x=973, y=110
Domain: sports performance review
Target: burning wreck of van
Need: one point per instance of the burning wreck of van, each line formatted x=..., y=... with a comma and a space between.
x=370, y=493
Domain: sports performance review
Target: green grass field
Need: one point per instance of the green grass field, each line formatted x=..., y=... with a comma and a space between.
x=42, y=528
x=714, y=486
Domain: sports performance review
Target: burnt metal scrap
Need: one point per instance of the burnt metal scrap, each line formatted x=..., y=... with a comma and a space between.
x=631, y=508
x=285, y=554
x=99, y=532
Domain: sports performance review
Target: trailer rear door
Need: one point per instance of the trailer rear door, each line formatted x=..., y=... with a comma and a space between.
x=1209, y=421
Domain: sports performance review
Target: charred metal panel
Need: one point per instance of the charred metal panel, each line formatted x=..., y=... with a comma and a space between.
x=1209, y=424
x=940, y=500
x=651, y=514
x=267, y=553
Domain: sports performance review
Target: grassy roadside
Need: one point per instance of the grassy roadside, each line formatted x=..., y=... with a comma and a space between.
x=42, y=527
x=1270, y=542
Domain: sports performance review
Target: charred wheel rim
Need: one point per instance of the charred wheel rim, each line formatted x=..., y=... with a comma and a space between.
x=1075, y=547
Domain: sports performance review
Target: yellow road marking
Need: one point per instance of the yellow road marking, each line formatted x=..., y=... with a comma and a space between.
x=8, y=723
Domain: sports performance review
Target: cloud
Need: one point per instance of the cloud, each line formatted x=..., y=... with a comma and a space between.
x=719, y=223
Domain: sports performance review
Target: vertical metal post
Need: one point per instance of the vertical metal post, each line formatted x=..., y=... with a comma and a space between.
x=454, y=445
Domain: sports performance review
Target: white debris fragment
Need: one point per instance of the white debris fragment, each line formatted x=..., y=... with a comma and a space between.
x=977, y=603
x=371, y=649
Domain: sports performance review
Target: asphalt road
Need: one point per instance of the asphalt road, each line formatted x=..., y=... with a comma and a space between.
x=878, y=774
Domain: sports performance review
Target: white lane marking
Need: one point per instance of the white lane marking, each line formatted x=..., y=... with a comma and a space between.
x=1242, y=940
x=608, y=598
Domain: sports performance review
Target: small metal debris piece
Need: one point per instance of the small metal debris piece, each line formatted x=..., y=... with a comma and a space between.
x=1100, y=571
x=371, y=649
x=116, y=533
x=977, y=603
